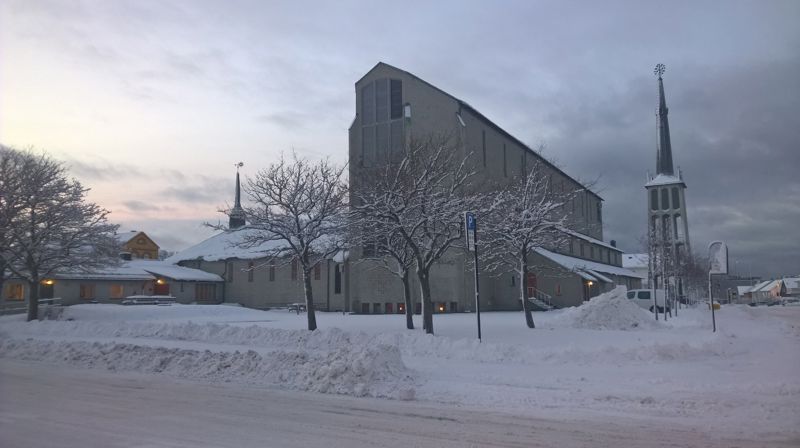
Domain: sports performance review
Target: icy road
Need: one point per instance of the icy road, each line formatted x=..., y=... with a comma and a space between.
x=46, y=407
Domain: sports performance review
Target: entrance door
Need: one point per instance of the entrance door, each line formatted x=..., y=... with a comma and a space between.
x=46, y=290
x=161, y=289
x=531, y=284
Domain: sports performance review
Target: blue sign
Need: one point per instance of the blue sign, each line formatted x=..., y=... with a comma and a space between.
x=470, y=221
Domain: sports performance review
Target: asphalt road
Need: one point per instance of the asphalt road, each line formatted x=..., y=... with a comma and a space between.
x=43, y=405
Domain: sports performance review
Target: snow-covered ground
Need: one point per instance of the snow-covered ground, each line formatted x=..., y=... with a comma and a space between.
x=602, y=361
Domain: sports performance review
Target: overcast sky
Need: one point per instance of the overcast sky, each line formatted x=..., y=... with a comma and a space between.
x=152, y=102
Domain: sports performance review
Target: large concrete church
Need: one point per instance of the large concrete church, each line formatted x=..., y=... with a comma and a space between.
x=392, y=105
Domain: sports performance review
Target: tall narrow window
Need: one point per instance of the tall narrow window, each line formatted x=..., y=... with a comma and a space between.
x=294, y=269
x=272, y=271
x=250, y=270
x=229, y=271
x=676, y=202
x=505, y=163
x=368, y=104
x=664, y=199
x=337, y=280
x=483, y=139
x=653, y=199
x=396, y=99
x=381, y=100
x=317, y=272
x=599, y=211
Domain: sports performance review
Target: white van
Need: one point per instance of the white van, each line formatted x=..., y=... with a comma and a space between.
x=644, y=298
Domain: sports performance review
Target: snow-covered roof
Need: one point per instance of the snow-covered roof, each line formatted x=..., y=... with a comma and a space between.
x=766, y=285
x=633, y=261
x=588, y=238
x=792, y=282
x=142, y=270
x=664, y=179
x=759, y=286
x=225, y=245
x=742, y=290
x=586, y=267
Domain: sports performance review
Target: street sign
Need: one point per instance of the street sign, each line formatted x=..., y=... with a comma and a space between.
x=469, y=222
x=718, y=257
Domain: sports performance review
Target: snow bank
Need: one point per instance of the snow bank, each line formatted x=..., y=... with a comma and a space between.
x=608, y=311
x=359, y=371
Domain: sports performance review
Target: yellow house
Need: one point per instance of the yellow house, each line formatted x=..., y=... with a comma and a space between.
x=138, y=244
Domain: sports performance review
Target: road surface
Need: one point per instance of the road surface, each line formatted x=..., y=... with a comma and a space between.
x=42, y=405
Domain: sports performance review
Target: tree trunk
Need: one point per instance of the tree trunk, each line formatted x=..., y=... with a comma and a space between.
x=33, y=299
x=427, y=305
x=312, y=317
x=526, y=307
x=409, y=305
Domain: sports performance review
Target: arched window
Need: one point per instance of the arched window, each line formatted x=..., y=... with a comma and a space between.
x=676, y=201
x=665, y=199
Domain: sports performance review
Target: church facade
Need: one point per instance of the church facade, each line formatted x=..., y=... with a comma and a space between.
x=393, y=105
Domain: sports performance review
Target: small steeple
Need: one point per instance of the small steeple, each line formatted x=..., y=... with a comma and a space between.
x=664, y=153
x=236, y=216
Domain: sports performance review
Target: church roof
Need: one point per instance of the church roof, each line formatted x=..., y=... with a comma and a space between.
x=464, y=105
x=226, y=245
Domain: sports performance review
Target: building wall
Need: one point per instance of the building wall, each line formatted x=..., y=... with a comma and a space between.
x=254, y=287
x=497, y=157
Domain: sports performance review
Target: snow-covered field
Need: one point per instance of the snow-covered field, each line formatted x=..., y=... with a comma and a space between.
x=604, y=360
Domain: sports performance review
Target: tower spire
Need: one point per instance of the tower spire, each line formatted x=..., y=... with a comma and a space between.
x=236, y=217
x=664, y=152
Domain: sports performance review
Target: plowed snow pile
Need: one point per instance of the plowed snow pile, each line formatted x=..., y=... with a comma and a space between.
x=608, y=311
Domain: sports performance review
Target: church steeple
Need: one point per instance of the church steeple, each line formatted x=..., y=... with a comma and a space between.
x=664, y=153
x=236, y=217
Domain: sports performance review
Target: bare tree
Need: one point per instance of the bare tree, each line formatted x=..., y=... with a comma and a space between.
x=388, y=250
x=51, y=226
x=420, y=200
x=524, y=215
x=301, y=206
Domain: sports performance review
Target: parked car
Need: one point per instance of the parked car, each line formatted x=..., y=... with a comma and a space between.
x=644, y=298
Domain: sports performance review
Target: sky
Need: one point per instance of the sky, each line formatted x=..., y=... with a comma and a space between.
x=151, y=103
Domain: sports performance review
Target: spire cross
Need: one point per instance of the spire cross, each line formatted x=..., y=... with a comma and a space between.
x=659, y=70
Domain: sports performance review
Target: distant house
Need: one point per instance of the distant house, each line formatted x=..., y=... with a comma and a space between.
x=130, y=278
x=138, y=245
x=767, y=290
x=638, y=263
x=253, y=278
x=791, y=287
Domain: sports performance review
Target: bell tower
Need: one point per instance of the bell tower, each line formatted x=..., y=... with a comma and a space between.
x=668, y=227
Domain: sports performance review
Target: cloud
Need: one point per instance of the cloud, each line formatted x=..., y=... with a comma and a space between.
x=139, y=206
x=102, y=170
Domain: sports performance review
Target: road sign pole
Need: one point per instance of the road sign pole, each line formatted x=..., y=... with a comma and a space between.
x=477, y=284
x=471, y=227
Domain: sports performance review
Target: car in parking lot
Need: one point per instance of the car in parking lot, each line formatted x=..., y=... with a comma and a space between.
x=644, y=298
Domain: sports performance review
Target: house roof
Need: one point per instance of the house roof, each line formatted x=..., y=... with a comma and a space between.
x=464, y=105
x=792, y=282
x=742, y=290
x=143, y=270
x=633, y=261
x=124, y=237
x=584, y=268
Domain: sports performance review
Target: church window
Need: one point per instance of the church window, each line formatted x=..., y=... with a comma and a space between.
x=337, y=280
x=483, y=140
x=317, y=272
x=229, y=271
x=664, y=199
x=396, y=99
x=599, y=211
x=653, y=199
x=676, y=203
x=368, y=104
x=381, y=100
x=505, y=164
x=294, y=269
x=250, y=270
x=272, y=271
